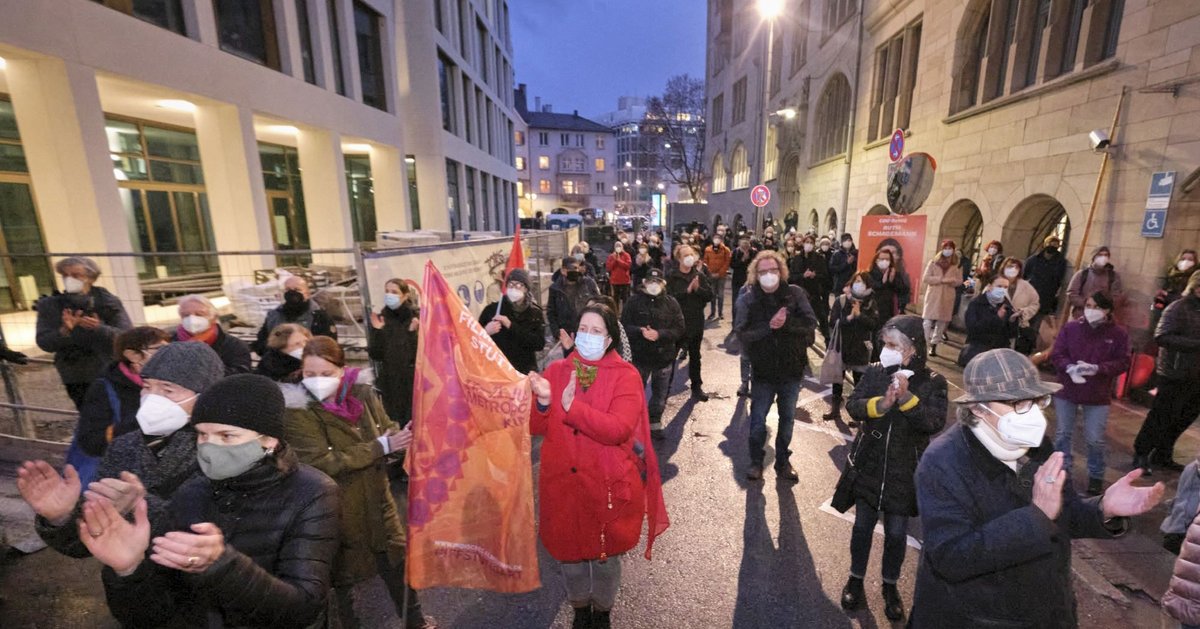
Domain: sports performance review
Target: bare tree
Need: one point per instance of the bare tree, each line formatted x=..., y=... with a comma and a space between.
x=675, y=123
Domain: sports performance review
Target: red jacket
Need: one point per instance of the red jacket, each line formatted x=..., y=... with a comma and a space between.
x=599, y=475
x=717, y=259
x=618, y=268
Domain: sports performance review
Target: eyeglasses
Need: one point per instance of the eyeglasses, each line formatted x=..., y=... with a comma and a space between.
x=1022, y=406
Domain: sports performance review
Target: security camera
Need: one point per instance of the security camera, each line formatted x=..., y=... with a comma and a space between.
x=1099, y=140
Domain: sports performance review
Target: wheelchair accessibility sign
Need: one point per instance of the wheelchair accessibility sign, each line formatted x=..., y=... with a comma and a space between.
x=1154, y=223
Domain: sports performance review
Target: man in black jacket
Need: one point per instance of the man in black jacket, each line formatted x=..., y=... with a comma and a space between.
x=842, y=264
x=742, y=256
x=1045, y=270
x=691, y=288
x=568, y=295
x=776, y=325
x=654, y=323
x=1177, y=403
x=297, y=307
x=515, y=323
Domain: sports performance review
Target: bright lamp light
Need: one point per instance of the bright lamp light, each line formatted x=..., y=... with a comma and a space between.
x=770, y=9
x=176, y=104
x=3, y=63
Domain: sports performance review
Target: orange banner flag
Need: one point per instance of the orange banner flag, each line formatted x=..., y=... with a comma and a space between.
x=470, y=491
x=516, y=256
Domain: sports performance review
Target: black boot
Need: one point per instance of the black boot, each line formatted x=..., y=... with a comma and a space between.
x=933, y=350
x=1142, y=461
x=584, y=618
x=853, y=593
x=893, y=607
x=601, y=620
x=835, y=410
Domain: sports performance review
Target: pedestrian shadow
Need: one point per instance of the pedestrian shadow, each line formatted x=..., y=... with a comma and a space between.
x=778, y=586
x=673, y=434
x=736, y=443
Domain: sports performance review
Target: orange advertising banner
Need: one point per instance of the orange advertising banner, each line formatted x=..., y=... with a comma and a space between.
x=470, y=492
x=905, y=235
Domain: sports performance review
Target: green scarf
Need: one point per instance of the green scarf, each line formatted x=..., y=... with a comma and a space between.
x=585, y=374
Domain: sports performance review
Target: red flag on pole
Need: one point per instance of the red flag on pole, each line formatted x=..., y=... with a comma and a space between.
x=516, y=257
x=470, y=492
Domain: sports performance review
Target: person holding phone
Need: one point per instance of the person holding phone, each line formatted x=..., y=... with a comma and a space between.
x=393, y=344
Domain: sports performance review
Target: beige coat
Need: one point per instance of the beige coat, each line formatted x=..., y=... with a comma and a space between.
x=939, y=290
x=1024, y=298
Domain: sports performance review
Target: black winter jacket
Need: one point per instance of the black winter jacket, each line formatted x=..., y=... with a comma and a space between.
x=395, y=349
x=234, y=352
x=1178, y=338
x=162, y=470
x=527, y=336
x=279, y=366
x=561, y=312
x=96, y=414
x=858, y=333
x=280, y=522
x=739, y=265
x=316, y=320
x=691, y=304
x=991, y=558
x=883, y=458
x=892, y=296
x=817, y=262
x=1046, y=274
x=660, y=313
x=985, y=329
x=81, y=355
x=841, y=268
x=776, y=355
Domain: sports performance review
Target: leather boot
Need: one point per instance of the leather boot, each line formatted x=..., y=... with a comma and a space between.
x=835, y=410
x=893, y=607
x=601, y=620
x=853, y=594
x=584, y=618
x=1142, y=461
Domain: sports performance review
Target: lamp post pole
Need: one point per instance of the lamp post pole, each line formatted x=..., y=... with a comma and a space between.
x=764, y=113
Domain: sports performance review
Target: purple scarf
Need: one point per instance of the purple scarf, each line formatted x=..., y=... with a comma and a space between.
x=345, y=405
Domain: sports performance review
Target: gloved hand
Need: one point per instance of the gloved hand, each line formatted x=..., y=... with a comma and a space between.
x=1074, y=372
x=1088, y=369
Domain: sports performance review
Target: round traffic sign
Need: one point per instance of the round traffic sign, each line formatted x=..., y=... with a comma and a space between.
x=760, y=196
x=896, y=148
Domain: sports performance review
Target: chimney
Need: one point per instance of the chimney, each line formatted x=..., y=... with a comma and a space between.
x=537, y=103
x=519, y=99
x=576, y=113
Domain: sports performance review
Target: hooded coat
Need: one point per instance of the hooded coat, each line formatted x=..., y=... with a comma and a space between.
x=311, y=317
x=882, y=463
x=599, y=477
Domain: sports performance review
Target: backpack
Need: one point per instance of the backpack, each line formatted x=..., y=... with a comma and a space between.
x=86, y=465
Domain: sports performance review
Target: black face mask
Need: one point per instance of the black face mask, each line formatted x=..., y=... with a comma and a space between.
x=573, y=276
x=1052, y=250
x=294, y=301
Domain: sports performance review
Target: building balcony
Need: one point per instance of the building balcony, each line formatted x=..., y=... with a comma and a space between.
x=574, y=199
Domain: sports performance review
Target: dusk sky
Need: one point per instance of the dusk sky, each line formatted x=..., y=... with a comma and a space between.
x=583, y=54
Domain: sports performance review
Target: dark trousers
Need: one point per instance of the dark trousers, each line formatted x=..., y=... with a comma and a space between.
x=660, y=385
x=692, y=344
x=620, y=294
x=76, y=391
x=393, y=578
x=762, y=395
x=840, y=387
x=1175, y=408
x=895, y=531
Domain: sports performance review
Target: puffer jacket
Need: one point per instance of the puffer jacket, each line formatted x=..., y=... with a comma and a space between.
x=776, y=355
x=858, y=333
x=1182, y=600
x=527, y=336
x=661, y=313
x=81, y=355
x=692, y=304
x=1178, y=337
x=280, y=522
x=395, y=347
x=351, y=456
x=883, y=458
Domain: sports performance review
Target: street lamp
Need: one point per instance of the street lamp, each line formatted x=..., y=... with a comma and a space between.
x=769, y=10
x=661, y=187
x=787, y=113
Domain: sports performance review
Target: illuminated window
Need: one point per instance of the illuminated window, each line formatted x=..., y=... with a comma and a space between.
x=520, y=163
x=544, y=162
x=544, y=186
x=568, y=186
x=740, y=167
x=600, y=142
x=519, y=138
x=718, y=175
x=600, y=164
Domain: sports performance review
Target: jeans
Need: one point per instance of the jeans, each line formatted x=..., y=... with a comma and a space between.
x=895, y=531
x=660, y=380
x=393, y=578
x=934, y=330
x=744, y=364
x=1095, y=418
x=593, y=582
x=1176, y=406
x=718, y=302
x=762, y=395
x=693, y=350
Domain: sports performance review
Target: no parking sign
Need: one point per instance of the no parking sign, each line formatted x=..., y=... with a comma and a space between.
x=760, y=196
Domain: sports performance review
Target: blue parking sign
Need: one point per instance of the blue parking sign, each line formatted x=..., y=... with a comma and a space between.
x=1154, y=223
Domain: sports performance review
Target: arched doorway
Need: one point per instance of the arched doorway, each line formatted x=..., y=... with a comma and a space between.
x=789, y=185
x=1031, y=221
x=739, y=224
x=831, y=223
x=791, y=220
x=963, y=223
x=878, y=210
x=814, y=221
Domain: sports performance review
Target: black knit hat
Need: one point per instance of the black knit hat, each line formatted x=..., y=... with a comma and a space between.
x=244, y=400
x=520, y=276
x=192, y=365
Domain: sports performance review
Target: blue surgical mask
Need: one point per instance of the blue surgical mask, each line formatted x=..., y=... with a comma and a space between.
x=589, y=346
x=392, y=300
x=997, y=295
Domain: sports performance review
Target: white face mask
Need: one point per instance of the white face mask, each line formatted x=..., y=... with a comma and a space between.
x=689, y=261
x=1100, y=261
x=716, y=242
x=946, y=253
x=997, y=294
x=321, y=387
x=195, y=324
x=769, y=281
x=858, y=289
x=296, y=353
x=654, y=289
x=617, y=249
x=992, y=251
x=72, y=285
x=159, y=416
x=1011, y=272
x=808, y=248
x=889, y=357
x=883, y=264
x=590, y=346
x=515, y=295
x=1184, y=265
x=1093, y=315
x=1024, y=430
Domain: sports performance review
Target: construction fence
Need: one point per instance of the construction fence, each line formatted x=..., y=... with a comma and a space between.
x=244, y=285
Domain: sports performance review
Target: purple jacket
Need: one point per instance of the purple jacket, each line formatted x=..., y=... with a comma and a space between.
x=1105, y=345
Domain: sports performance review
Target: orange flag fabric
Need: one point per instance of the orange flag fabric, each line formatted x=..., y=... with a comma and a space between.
x=470, y=492
x=516, y=257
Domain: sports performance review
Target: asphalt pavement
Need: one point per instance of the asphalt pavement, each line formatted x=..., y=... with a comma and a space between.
x=738, y=553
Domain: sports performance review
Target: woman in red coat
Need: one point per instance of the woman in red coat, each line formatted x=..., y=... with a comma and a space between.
x=598, y=479
x=618, y=264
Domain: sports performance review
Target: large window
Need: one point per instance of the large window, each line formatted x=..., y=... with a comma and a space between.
x=739, y=102
x=285, y=201
x=246, y=28
x=335, y=45
x=544, y=186
x=23, y=279
x=162, y=188
x=799, y=30
x=718, y=175
x=600, y=165
x=543, y=162
x=836, y=14
x=361, y=190
x=452, y=193
x=771, y=164
x=739, y=165
x=414, y=197
x=307, y=58
x=165, y=13
x=446, y=85
x=472, y=221
x=368, y=32
x=829, y=126
x=717, y=117
x=894, y=80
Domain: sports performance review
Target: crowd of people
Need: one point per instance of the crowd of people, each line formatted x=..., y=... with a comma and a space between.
x=220, y=491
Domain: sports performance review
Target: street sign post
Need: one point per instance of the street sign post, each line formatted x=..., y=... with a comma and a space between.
x=896, y=148
x=1158, y=200
x=760, y=196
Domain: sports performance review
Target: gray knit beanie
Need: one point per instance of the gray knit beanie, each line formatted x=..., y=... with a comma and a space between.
x=192, y=365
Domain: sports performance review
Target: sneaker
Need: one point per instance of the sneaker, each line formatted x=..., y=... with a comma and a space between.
x=755, y=472
x=1095, y=486
x=744, y=390
x=787, y=472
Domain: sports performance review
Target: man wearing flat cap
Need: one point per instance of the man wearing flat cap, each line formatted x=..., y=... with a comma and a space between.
x=999, y=511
